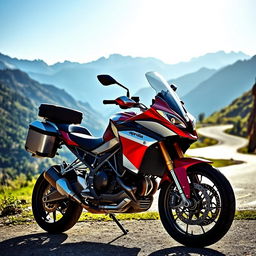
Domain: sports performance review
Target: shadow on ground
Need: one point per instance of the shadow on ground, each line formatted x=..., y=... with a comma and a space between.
x=49, y=244
x=186, y=251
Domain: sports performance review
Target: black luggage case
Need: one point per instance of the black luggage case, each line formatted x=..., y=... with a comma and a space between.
x=58, y=114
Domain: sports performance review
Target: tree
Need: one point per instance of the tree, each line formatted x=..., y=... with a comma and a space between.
x=252, y=123
x=201, y=117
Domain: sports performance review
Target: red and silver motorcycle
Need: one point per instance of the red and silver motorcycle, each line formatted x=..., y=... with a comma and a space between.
x=120, y=171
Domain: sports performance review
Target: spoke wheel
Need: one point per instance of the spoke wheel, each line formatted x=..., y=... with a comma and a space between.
x=54, y=217
x=211, y=214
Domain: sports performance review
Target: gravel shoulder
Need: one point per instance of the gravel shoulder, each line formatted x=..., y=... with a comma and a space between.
x=104, y=238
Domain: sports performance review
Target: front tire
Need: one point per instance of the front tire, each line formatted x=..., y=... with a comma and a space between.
x=211, y=216
x=55, y=217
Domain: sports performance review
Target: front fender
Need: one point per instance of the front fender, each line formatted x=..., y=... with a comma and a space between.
x=180, y=168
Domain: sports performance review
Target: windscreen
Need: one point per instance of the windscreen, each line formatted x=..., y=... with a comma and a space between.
x=161, y=86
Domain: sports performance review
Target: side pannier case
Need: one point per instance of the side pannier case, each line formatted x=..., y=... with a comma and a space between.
x=42, y=139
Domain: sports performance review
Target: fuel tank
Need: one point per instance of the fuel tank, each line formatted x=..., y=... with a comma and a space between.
x=123, y=116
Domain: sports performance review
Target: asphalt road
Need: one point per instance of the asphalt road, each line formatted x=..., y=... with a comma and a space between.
x=106, y=239
x=242, y=176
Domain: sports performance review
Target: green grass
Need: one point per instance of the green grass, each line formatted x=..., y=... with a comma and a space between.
x=27, y=217
x=23, y=193
x=224, y=162
x=245, y=215
x=122, y=216
x=219, y=162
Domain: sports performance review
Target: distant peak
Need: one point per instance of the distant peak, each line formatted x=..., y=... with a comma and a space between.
x=117, y=56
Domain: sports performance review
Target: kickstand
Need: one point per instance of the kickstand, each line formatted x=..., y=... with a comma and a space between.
x=113, y=217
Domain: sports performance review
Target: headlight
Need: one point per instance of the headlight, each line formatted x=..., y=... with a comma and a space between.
x=172, y=119
x=193, y=120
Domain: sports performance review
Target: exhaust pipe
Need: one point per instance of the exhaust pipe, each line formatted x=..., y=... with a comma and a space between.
x=61, y=184
x=116, y=208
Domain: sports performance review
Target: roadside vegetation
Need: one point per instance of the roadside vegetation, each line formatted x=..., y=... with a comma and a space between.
x=217, y=163
x=26, y=217
x=203, y=142
x=237, y=113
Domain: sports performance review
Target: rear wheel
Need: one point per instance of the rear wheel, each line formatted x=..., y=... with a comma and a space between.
x=54, y=217
x=212, y=212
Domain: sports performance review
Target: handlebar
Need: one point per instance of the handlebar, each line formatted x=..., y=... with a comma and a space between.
x=127, y=103
x=109, y=102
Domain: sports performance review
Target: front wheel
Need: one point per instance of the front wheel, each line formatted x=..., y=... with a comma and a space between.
x=54, y=217
x=212, y=212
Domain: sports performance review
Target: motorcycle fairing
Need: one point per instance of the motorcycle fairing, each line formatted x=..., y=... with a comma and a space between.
x=152, y=114
x=134, y=146
x=161, y=104
x=180, y=168
x=123, y=116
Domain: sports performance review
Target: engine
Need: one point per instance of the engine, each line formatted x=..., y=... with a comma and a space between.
x=105, y=182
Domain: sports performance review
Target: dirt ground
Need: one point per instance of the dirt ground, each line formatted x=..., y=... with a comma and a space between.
x=105, y=238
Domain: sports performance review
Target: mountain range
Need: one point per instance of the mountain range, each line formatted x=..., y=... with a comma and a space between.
x=80, y=79
x=222, y=87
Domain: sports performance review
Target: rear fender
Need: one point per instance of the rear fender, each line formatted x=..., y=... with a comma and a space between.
x=180, y=168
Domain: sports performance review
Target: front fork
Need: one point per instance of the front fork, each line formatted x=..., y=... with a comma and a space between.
x=169, y=163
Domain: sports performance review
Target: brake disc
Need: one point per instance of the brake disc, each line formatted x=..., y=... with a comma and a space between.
x=200, y=211
x=214, y=206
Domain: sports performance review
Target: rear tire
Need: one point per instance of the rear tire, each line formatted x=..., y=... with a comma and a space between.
x=212, y=215
x=69, y=211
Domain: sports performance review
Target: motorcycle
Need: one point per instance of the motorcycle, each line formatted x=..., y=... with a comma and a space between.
x=121, y=171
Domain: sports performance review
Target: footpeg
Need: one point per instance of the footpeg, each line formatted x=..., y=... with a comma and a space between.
x=86, y=194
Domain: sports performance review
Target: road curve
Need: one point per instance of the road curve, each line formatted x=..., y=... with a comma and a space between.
x=242, y=176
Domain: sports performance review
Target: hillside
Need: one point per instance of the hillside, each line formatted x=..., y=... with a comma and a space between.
x=16, y=112
x=222, y=87
x=79, y=79
x=20, y=97
x=236, y=113
x=38, y=93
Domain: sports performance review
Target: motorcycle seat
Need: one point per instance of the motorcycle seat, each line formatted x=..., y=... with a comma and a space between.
x=73, y=128
x=86, y=142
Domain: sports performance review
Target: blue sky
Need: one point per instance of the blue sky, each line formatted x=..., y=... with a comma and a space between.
x=83, y=30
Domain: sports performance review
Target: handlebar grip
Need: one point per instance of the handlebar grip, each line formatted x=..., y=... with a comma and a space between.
x=109, y=102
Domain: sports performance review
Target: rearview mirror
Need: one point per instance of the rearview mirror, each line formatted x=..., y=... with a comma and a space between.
x=106, y=80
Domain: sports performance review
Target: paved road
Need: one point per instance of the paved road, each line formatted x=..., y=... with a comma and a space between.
x=242, y=177
x=106, y=239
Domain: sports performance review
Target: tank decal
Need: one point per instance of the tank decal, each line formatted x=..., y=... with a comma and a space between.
x=133, y=151
x=157, y=128
x=129, y=165
x=114, y=129
x=138, y=137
